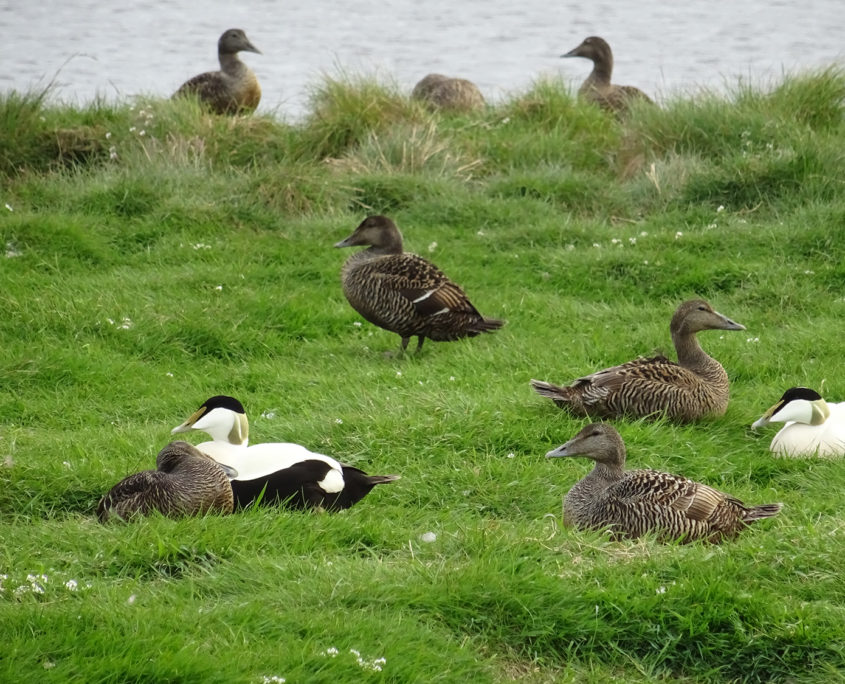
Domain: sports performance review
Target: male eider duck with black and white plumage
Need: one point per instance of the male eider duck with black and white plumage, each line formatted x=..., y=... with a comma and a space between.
x=279, y=473
x=813, y=427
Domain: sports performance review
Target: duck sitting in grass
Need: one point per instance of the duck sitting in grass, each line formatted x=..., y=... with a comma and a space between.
x=275, y=473
x=694, y=387
x=232, y=90
x=450, y=94
x=631, y=503
x=185, y=482
x=813, y=427
x=597, y=88
x=402, y=292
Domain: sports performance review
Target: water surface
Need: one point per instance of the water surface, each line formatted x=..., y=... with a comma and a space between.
x=90, y=48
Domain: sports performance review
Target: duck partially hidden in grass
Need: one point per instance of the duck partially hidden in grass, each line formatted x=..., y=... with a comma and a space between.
x=185, y=482
x=695, y=387
x=232, y=90
x=402, y=292
x=275, y=473
x=635, y=502
x=598, y=88
x=450, y=94
x=813, y=427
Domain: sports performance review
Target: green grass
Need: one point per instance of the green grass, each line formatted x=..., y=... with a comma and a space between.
x=142, y=273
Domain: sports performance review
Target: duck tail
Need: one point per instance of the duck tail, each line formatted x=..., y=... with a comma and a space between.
x=383, y=479
x=547, y=389
x=488, y=325
x=760, y=512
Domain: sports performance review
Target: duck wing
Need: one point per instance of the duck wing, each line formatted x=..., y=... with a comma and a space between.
x=428, y=290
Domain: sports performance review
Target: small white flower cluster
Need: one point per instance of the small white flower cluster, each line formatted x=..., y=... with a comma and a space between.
x=374, y=665
x=9, y=207
x=35, y=584
x=428, y=537
x=753, y=339
x=12, y=250
x=272, y=679
x=201, y=245
x=124, y=324
x=269, y=415
x=432, y=247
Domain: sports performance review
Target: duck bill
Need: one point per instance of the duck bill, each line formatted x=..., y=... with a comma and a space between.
x=249, y=47
x=763, y=420
x=345, y=243
x=728, y=324
x=560, y=452
x=188, y=425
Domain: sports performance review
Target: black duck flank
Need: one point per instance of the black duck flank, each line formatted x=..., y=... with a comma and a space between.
x=404, y=293
x=232, y=90
x=185, y=482
x=631, y=503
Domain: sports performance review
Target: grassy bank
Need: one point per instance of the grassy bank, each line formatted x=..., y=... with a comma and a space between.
x=152, y=256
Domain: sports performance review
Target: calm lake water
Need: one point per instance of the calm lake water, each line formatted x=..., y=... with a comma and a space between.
x=90, y=48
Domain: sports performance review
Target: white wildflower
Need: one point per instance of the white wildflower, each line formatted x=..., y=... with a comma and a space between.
x=432, y=247
x=661, y=590
x=596, y=245
x=428, y=537
x=273, y=679
x=357, y=324
x=616, y=241
x=451, y=378
x=511, y=455
x=71, y=585
x=201, y=245
x=570, y=247
x=269, y=415
x=112, y=152
x=339, y=421
x=480, y=233
x=131, y=599
x=645, y=261
x=132, y=129
x=753, y=339
x=142, y=133
x=678, y=234
x=643, y=233
x=331, y=651
x=219, y=288
x=720, y=208
x=169, y=374
x=632, y=240
x=398, y=374
x=108, y=135
x=48, y=664
x=12, y=251
x=809, y=273
x=66, y=464
x=9, y=207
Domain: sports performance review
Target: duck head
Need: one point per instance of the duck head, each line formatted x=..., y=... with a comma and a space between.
x=598, y=441
x=221, y=417
x=379, y=232
x=233, y=41
x=696, y=315
x=799, y=404
x=593, y=48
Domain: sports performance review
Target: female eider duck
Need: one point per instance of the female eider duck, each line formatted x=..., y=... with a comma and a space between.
x=275, y=472
x=233, y=89
x=597, y=88
x=634, y=502
x=813, y=427
x=694, y=387
x=402, y=292
x=186, y=482
x=451, y=94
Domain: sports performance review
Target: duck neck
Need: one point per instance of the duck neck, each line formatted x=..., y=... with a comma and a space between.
x=605, y=473
x=600, y=75
x=693, y=357
x=231, y=64
x=820, y=412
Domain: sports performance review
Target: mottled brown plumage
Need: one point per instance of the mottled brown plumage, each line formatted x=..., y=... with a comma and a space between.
x=634, y=502
x=403, y=292
x=598, y=88
x=232, y=90
x=186, y=482
x=694, y=387
x=453, y=94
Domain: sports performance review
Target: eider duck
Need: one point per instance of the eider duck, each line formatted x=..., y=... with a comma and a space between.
x=598, y=88
x=694, y=387
x=186, y=482
x=813, y=427
x=452, y=94
x=275, y=473
x=232, y=90
x=402, y=292
x=634, y=502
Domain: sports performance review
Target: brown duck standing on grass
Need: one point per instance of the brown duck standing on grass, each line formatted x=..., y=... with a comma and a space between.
x=452, y=94
x=186, y=482
x=232, y=90
x=404, y=293
x=635, y=502
x=598, y=88
x=694, y=387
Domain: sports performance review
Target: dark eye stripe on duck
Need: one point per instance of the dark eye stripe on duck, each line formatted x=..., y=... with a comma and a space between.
x=799, y=393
